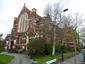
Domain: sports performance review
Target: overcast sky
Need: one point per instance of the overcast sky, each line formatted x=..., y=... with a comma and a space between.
x=11, y=8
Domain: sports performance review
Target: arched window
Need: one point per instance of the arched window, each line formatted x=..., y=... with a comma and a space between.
x=23, y=23
x=26, y=19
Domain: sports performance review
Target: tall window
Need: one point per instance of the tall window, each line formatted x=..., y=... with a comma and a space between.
x=23, y=23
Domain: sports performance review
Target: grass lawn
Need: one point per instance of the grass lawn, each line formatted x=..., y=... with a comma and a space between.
x=42, y=60
x=5, y=59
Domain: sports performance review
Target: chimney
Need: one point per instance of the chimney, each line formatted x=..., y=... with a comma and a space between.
x=34, y=10
x=15, y=18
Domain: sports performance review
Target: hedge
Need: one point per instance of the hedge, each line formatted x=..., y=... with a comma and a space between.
x=48, y=49
x=35, y=47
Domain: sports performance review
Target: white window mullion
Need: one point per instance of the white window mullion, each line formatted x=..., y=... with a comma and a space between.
x=21, y=25
x=24, y=23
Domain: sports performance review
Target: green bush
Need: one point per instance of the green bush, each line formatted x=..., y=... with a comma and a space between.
x=64, y=48
x=1, y=49
x=35, y=47
x=78, y=48
x=58, y=48
x=67, y=48
x=48, y=49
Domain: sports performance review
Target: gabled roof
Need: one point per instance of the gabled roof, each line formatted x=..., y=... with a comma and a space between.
x=23, y=10
x=29, y=12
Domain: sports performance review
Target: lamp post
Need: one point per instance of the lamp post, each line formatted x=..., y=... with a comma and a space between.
x=53, y=49
x=62, y=46
x=62, y=12
x=62, y=51
x=65, y=10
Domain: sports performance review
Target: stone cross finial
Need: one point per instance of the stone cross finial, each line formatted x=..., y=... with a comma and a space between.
x=24, y=4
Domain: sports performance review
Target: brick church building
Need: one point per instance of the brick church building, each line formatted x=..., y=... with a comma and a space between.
x=25, y=26
x=30, y=25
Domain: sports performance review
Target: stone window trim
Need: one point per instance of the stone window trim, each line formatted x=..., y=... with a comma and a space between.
x=23, y=23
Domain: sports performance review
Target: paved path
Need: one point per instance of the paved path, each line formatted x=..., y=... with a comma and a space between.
x=19, y=58
x=24, y=59
x=79, y=60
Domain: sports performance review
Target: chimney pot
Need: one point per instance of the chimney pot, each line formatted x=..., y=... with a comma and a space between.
x=15, y=18
x=34, y=9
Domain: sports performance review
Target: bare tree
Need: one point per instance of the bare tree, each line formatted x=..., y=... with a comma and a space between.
x=48, y=10
x=53, y=12
x=65, y=21
x=76, y=22
x=82, y=34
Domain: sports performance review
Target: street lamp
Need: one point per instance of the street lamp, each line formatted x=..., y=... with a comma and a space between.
x=62, y=46
x=65, y=10
x=62, y=12
x=53, y=49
